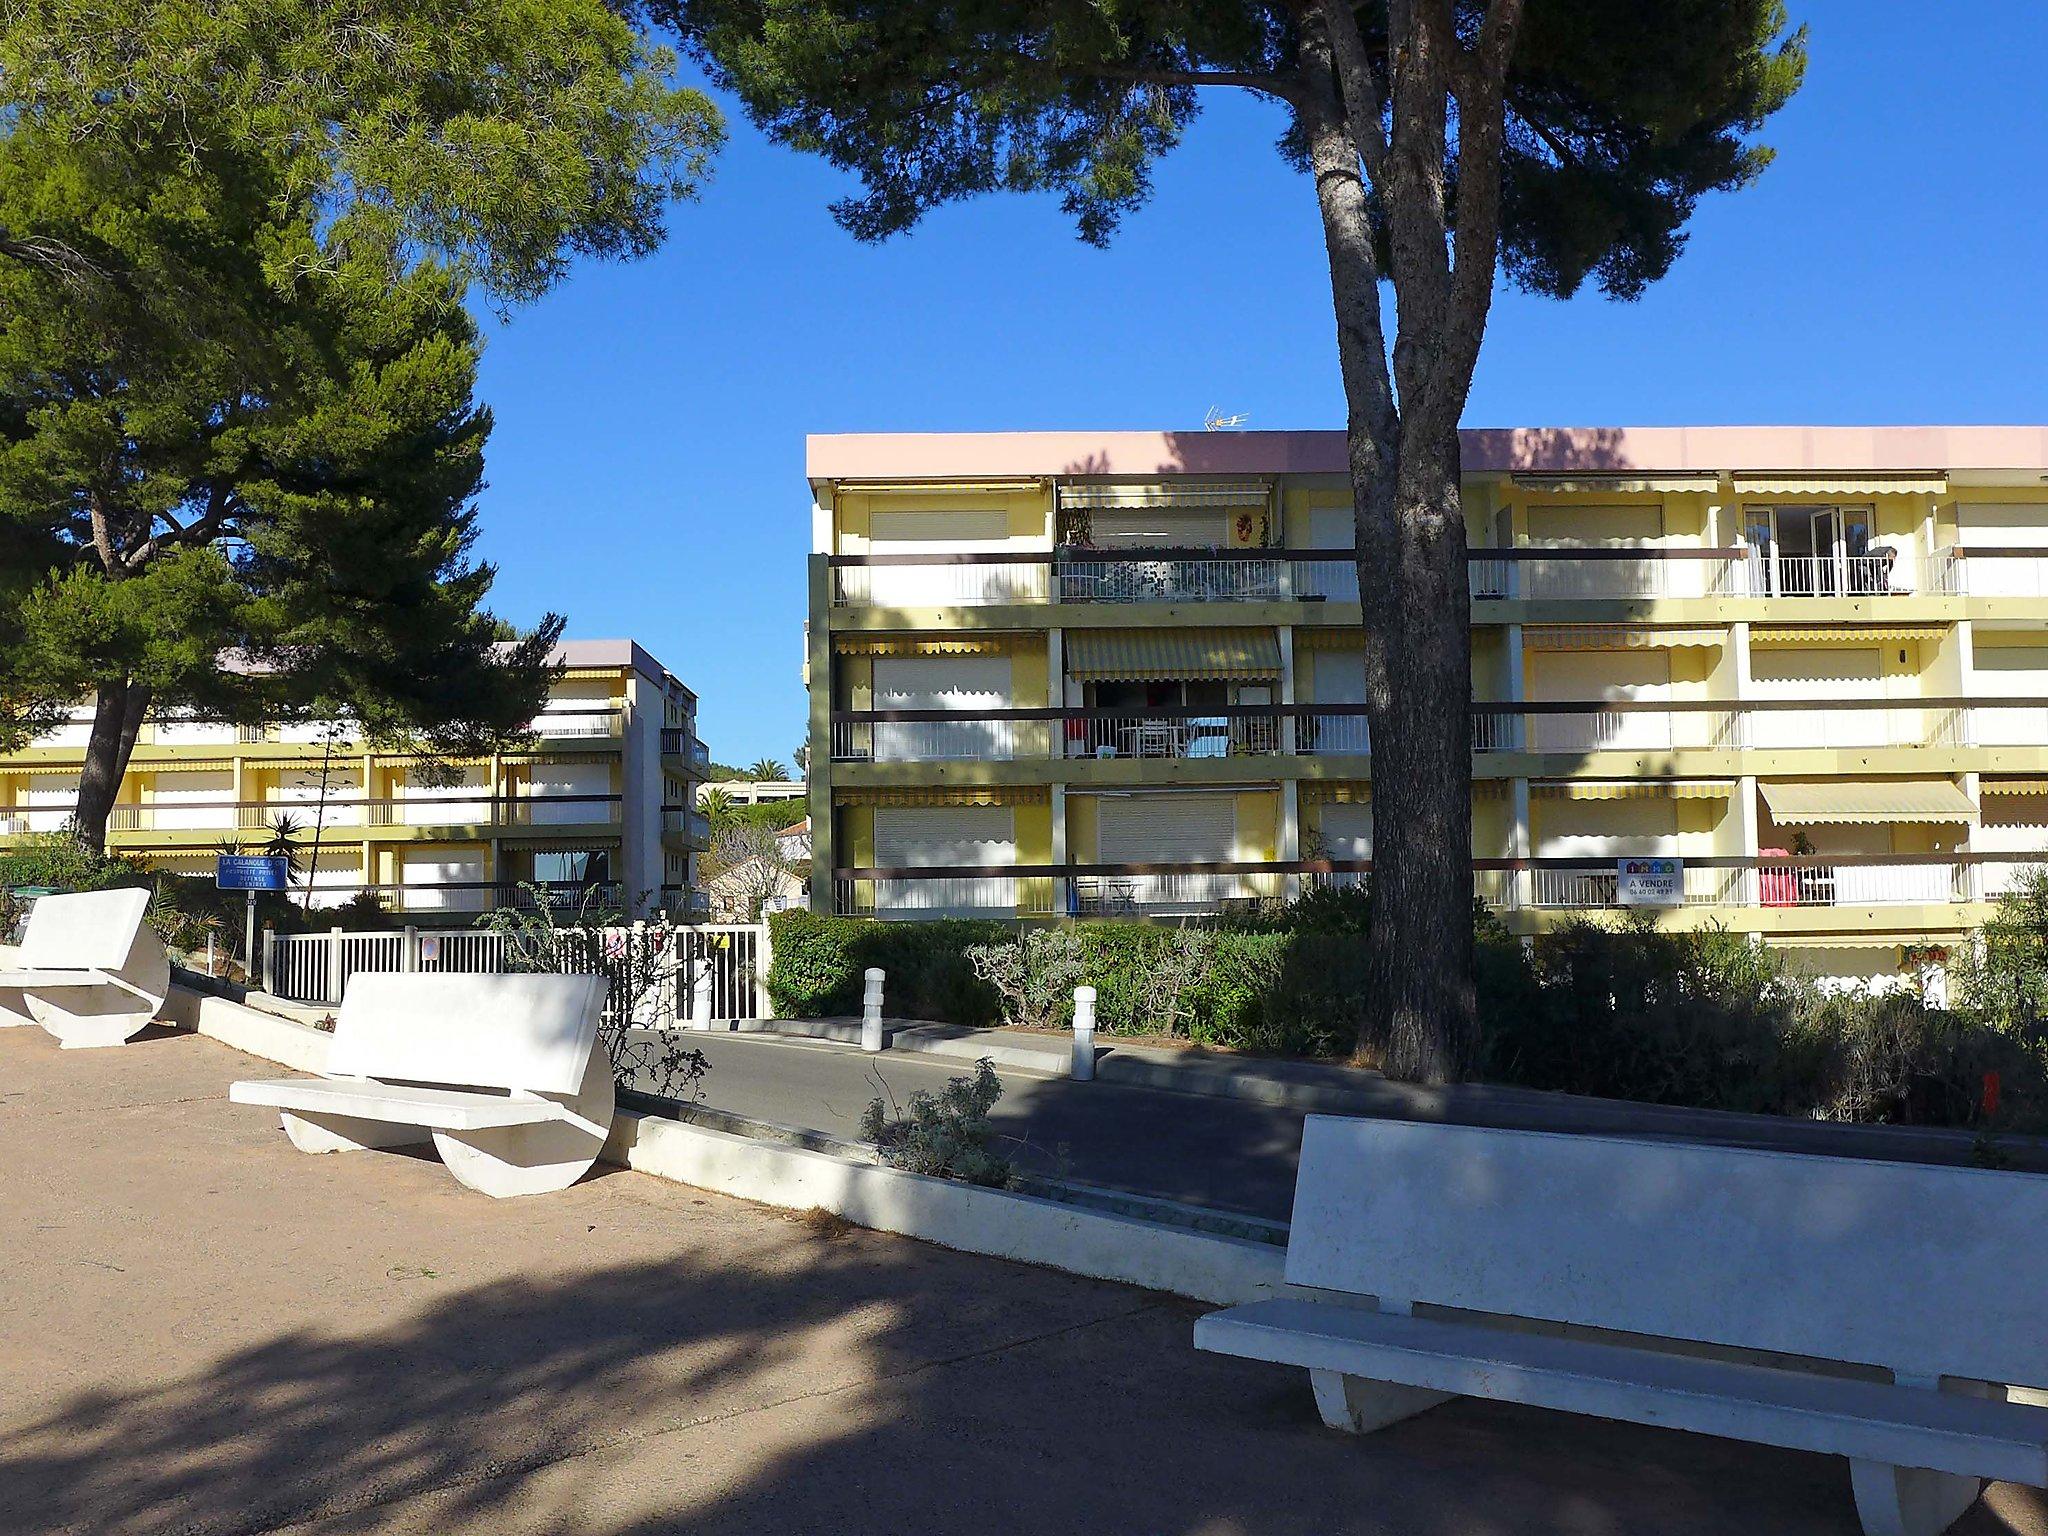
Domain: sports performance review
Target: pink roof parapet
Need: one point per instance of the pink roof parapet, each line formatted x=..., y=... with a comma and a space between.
x=1487, y=450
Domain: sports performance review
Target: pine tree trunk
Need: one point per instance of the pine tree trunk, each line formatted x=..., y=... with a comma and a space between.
x=118, y=711
x=1420, y=947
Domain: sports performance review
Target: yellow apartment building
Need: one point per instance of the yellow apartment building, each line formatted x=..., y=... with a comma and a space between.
x=1792, y=681
x=602, y=797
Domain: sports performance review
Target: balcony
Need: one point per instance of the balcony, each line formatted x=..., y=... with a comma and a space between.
x=1750, y=884
x=464, y=899
x=431, y=810
x=692, y=826
x=575, y=724
x=1576, y=727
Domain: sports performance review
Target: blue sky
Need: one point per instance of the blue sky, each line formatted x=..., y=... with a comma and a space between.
x=646, y=475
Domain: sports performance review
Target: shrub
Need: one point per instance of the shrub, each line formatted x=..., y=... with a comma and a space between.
x=946, y=1135
x=1035, y=975
x=819, y=963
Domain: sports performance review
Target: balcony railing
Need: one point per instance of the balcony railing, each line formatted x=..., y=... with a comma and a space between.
x=473, y=896
x=1995, y=571
x=574, y=723
x=1551, y=884
x=685, y=822
x=414, y=811
x=1073, y=575
x=1341, y=730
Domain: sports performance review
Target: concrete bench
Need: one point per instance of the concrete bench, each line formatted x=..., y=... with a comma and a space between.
x=1877, y=1311
x=505, y=1073
x=89, y=969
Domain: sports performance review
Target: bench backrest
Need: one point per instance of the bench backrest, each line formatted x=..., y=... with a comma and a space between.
x=1923, y=1270
x=89, y=930
x=531, y=1032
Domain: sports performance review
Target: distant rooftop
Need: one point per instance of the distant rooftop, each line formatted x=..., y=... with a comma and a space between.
x=1487, y=450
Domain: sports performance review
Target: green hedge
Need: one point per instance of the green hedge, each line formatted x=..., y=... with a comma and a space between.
x=1278, y=988
x=1618, y=1010
x=819, y=962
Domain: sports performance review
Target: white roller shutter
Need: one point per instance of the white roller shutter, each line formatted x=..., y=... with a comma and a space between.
x=193, y=801
x=1816, y=672
x=426, y=876
x=1163, y=527
x=985, y=531
x=1333, y=528
x=1347, y=831
x=938, y=837
x=553, y=779
x=2008, y=672
x=1167, y=829
x=1622, y=675
x=966, y=685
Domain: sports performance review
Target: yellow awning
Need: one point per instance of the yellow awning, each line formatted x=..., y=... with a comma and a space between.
x=1610, y=637
x=939, y=794
x=184, y=765
x=923, y=645
x=1634, y=789
x=1860, y=801
x=1626, y=485
x=1842, y=634
x=2013, y=786
x=1913, y=483
x=43, y=769
x=1329, y=637
x=1246, y=654
x=1170, y=493
x=1335, y=791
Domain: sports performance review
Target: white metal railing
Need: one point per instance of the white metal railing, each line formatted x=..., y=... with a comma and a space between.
x=1846, y=575
x=1858, y=885
x=1596, y=887
x=1167, y=894
x=968, y=739
x=1569, y=574
x=1329, y=735
x=713, y=971
x=1190, y=736
x=2005, y=574
x=942, y=585
x=936, y=896
x=573, y=723
x=1136, y=579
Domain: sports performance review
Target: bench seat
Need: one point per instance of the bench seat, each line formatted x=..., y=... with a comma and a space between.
x=1872, y=1421
x=440, y=1109
x=41, y=979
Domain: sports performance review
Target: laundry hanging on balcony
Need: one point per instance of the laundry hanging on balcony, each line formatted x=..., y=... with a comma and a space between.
x=1868, y=801
x=1251, y=655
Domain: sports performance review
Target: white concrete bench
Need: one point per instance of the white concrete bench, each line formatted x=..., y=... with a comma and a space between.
x=1871, y=1310
x=89, y=969
x=506, y=1073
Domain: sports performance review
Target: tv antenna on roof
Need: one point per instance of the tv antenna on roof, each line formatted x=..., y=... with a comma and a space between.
x=1216, y=421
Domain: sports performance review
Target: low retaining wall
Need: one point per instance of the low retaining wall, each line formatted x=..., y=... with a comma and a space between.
x=1027, y=1228
x=997, y=1222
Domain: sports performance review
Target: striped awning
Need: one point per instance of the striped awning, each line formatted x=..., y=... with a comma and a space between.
x=940, y=794
x=42, y=769
x=1634, y=789
x=1329, y=637
x=2013, y=786
x=1846, y=802
x=1335, y=791
x=185, y=765
x=1611, y=637
x=1626, y=485
x=1907, y=483
x=1842, y=634
x=1169, y=493
x=923, y=645
x=1234, y=654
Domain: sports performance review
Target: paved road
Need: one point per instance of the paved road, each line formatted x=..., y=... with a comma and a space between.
x=1225, y=1153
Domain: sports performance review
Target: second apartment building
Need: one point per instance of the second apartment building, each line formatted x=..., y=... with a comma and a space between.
x=1799, y=676
x=598, y=802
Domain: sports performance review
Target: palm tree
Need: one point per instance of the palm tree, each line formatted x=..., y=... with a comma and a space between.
x=768, y=770
x=802, y=758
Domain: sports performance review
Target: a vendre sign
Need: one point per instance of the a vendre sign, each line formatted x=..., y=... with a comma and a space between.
x=1650, y=882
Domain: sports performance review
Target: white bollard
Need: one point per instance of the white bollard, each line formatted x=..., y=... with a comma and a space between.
x=1083, y=1068
x=700, y=994
x=871, y=1013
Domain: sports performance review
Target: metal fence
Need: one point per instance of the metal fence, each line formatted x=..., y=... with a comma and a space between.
x=709, y=971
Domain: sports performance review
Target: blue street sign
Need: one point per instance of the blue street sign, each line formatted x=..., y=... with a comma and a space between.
x=251, y=872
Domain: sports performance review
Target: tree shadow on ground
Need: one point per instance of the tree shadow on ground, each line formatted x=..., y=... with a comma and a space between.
x=856, y=1384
